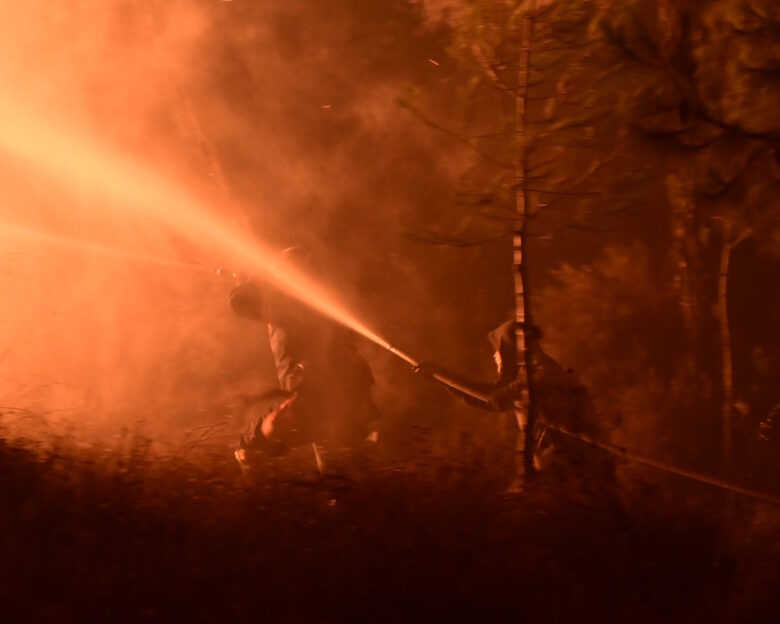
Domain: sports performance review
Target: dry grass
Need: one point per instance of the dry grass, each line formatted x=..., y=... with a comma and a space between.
x=97, y=535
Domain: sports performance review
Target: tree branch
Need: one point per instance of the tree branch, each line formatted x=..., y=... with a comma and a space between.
x=452, y=133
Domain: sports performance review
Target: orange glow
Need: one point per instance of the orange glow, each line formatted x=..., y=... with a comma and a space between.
x=117, y=144
x=8, y=230
x=131, y=190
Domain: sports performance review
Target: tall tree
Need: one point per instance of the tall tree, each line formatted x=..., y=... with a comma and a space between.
x=540, y=130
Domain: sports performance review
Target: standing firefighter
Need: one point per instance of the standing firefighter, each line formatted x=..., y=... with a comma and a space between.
x=324, y=394
x=562, y=400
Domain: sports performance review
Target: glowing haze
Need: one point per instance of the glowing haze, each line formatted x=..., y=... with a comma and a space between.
x=145, y=143
x=130, y=189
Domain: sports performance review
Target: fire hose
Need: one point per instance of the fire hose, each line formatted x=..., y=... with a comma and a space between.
x=613, y=449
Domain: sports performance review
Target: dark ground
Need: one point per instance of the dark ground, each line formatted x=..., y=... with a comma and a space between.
x=92, y=535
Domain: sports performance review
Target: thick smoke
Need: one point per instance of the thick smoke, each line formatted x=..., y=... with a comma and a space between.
x=284, y=118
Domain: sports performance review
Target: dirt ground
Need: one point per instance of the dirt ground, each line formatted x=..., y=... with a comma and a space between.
x=102, y=535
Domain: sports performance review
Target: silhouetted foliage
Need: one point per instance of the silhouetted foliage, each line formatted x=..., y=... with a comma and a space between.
x=701, y=88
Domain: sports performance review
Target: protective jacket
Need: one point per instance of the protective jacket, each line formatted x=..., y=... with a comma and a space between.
x=317, y=361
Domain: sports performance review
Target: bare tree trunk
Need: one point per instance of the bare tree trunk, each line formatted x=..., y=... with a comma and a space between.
x=525, y=408
x=686, y=255
x=725, y=341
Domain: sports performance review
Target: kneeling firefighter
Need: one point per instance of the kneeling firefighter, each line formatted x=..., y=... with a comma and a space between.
x=324, y=393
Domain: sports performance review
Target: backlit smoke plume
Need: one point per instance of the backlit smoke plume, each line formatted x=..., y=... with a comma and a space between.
x=144, y=144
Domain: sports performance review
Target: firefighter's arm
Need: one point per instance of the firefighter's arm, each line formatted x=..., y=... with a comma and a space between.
x=503, y=397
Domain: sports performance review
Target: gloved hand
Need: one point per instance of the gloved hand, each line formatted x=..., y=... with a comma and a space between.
x=294, y=377
x=502, y=397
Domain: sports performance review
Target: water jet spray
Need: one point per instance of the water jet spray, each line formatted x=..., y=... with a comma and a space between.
x=132, y=190
x=8, y=230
